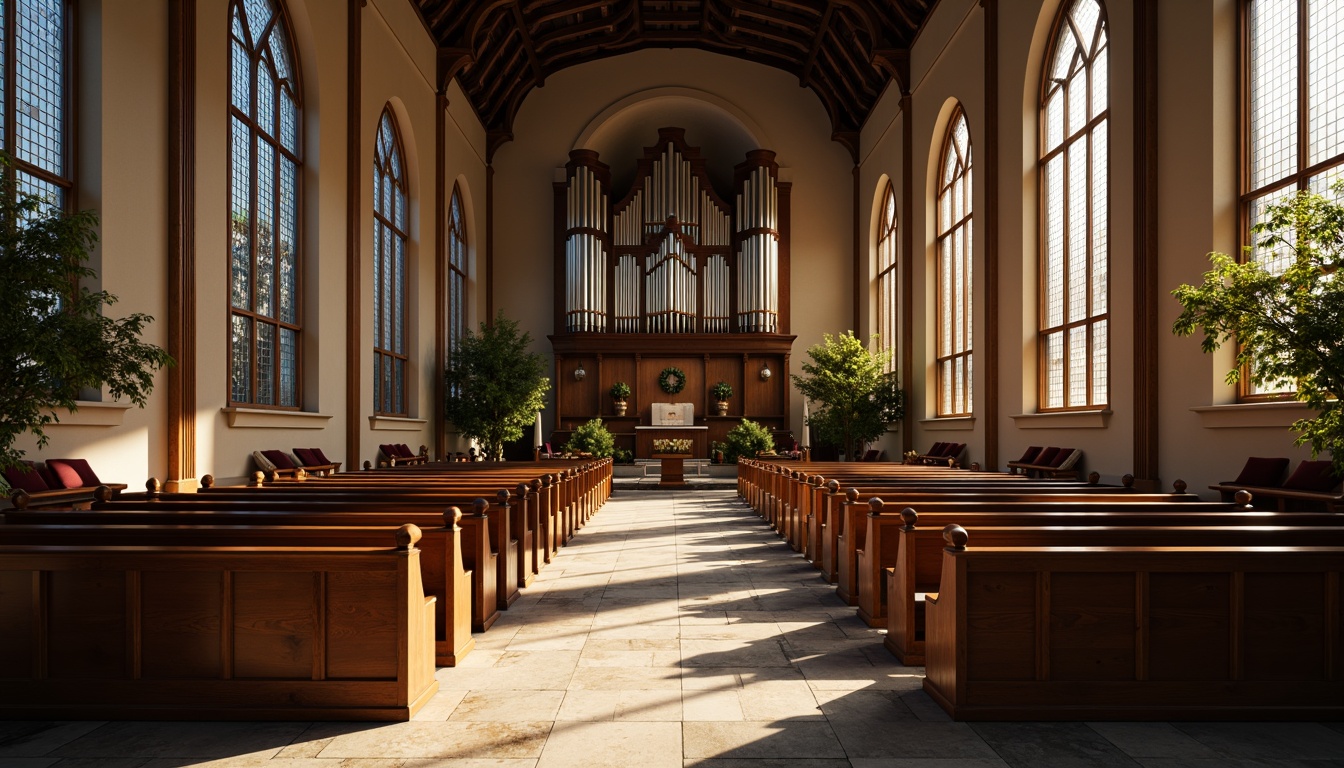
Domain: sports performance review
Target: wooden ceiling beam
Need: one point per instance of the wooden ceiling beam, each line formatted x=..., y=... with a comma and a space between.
x=566, y=9
x=804, y=78
x=529, y=47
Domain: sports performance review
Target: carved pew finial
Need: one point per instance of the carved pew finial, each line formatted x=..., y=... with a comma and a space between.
x=207, y=481
x=153, y=487
x=102, y=494
x=852, y=495
x=1243, y=499
x=1178, y=486
x=451, y=518
x=407, y=536
x=910, y=517
x=1127, y=481
x=258, y=478
x=20, y=499
x=503, y=495
x=479, y=506
x=368, y=465
x=833, y=486
x=818, y=481
x=1094, y=478
x=955, y=536
x=975, y=466
x=521, y=490
x=875, y=505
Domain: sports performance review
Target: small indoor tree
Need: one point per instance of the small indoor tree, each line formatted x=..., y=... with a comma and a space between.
x=748, y=438
x=856, y=398
x=1288, y=323
x=55, y=340
x=592, y=437
x=495, y=386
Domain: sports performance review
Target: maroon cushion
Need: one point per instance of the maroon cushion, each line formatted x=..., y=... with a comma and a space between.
x=936, y=449
x=87, y=478
x=871, y=455
x=1030, y=454
x=1061, y=456
x=25, y=477
x=388, y=450
x=952, y=450
x=404, y=451
x=1044, y=458
x=307, y=458
x=279, y=459
x=321, y=457
x=1266, y=473
x=65, y=474
x=1313, y=476
x=48, y=476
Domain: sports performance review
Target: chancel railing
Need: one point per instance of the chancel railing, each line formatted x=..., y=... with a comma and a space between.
x=672, y=257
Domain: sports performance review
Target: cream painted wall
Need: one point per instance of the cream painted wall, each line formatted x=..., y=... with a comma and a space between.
x=553, y=118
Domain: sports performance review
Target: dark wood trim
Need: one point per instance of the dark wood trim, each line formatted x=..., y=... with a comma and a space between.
x=354, y=372
x=441, y=204
x=181, y=319
x=860, y=274
x=990, y=240
x=489, y=243
x=1146, y=401
x=907, y=233
x=784, y=189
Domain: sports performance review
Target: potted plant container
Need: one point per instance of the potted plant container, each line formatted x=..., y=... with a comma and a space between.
x=619, y=392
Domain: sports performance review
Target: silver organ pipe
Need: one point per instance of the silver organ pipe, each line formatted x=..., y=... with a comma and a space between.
x=585, y=251
x=758, y=257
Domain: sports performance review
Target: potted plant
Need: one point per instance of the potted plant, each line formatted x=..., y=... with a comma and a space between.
x=721, y=392
x=495, y=385
x=859, y=401
x=619, y=392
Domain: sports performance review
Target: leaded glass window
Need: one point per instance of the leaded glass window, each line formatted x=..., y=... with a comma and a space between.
x=1074, y=178
x=35, y=96
x=457, y=270
x=887, y=275
x=954, y=271
x=265, y=190
x=1294, y=121
x=390, y=228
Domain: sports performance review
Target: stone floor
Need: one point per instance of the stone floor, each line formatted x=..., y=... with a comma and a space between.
x=676, y=630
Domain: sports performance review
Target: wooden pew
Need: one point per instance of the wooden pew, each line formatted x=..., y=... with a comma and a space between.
x=1136, y=633
x=919, y=559
x=479, y=540
x=271, y=633
x=1286, y=498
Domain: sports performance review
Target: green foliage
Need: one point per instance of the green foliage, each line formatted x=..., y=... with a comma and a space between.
x=716, y=450
x=592, y=437
x=857, y=399
x=495, y=385
x=1289, y=326
x=622, y=456
x=54, y=339
x=620, y=390
x=747, y=439
x=721, y=391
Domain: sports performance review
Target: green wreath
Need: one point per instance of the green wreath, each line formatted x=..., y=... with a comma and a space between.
x=671, y=380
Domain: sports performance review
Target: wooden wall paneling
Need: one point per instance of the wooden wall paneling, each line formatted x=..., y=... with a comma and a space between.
x=1092, y=616
x=1015, y=608
x=724, y=369
x=274, y=624
x=363, y=632
x=182, y=614
x=86, y=614
x=1194, y=611
x=614, y=369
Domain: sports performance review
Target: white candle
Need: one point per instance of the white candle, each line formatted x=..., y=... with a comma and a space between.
x=536, y=432
x=807, y=432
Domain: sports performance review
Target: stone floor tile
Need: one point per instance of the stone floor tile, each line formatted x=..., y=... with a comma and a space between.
x=508, y=706
x=23, y=738
x=1304, y=741
x=452, y=739
x=33, y=762
x=612, y=679
x=1062, y=744
x=927, y=762
x=1152, y=740
x=756, y=740
x=714, y=705
x=733, y=653
x=784, y=762
x=613, y=745
x=196, y=739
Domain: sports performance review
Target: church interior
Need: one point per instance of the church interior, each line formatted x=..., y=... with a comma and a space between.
x=317, y=200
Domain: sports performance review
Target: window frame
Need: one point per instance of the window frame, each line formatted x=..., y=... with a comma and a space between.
x=1297, y=180
x=1062, y=25
x=279, y=18
x=400, y=288
x=456, y=314
x=64, y=182
x=944, y=231
x=887, y=275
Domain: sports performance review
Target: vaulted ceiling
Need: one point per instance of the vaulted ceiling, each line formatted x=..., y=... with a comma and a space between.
x=846, y=51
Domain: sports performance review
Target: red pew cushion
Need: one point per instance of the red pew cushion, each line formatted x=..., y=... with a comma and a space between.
x=25, y=477
x=279, y=458
x=1264, y=472
x=65, y=474
x=307, y=458
x=87, y=478
x=1313, y=476
x=1030, y=454
x=321, y=457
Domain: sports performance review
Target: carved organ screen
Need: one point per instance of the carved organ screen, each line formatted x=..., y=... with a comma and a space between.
x=672, y=256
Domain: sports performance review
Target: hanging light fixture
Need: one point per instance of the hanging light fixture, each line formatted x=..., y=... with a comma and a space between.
x=579, y=373
x=765, y=371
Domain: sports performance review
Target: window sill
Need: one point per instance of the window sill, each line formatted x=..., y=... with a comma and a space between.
x=259, y=418
x=396, y=424
x=949, y=424
x=92, y=413
x=1063, y=419
x=1280, y=415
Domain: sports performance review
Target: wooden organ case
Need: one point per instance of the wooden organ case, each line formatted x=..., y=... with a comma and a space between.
x=671, y=276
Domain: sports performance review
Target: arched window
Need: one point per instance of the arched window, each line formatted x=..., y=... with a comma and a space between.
x=1294, y=123
x=457, y=270
x=1073, y=341
x=954, y=271
x=35, y=95
x=389, y=271
x=265, y=194
x=886, y=275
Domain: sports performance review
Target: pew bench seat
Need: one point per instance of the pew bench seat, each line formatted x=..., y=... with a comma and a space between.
x=59, y=498
x=1284, y=499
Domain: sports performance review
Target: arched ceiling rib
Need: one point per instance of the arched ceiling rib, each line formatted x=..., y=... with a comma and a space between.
x=846, y=51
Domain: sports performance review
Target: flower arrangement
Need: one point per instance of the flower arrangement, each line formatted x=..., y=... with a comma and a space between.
x=670, y=445
x=912, y=457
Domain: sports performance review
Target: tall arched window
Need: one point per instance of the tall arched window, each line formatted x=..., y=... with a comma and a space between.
x=457, y=270
x=886, y=275
x=954, y=271
x=389, y=271
x=1073, y=346
x=264, y=200
x=35, y=96
x=1294, y=122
